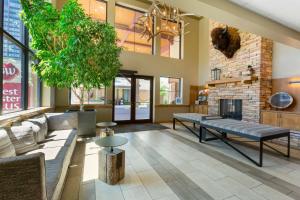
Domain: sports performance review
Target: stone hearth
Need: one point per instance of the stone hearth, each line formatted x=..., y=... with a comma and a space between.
x=255, y=51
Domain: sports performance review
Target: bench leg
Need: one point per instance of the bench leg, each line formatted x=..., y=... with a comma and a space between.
x=194, y=125
x=289, y=145
x=200, y=134
x=261, y=150
x=174, y=123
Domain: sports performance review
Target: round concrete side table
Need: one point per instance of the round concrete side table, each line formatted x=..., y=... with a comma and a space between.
x=106, y=128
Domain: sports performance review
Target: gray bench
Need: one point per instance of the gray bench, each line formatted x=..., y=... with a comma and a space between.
x=222, y=127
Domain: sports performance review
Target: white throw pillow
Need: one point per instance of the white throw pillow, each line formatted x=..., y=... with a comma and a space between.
x=42, y=121
x=39, y=136
x=22, y=138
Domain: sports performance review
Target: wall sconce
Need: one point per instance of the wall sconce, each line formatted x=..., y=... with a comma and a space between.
x=294, y=82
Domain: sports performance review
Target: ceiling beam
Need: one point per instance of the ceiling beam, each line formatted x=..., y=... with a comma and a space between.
x=228, y=13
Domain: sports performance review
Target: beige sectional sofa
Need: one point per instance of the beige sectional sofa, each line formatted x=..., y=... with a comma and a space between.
x=37, y=174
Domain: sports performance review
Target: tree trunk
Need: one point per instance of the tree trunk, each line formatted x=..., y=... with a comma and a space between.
x=81, y=107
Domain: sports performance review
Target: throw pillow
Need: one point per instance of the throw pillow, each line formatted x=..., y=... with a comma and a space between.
x=39, y=136
x=22, y=138
x=42, y=121
x=6, y=147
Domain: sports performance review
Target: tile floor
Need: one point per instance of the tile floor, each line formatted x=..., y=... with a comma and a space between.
x=172, y=165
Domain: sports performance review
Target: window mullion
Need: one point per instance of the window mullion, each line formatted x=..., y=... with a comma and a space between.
x=25, y=65
x=1, y=52
x=39, y=92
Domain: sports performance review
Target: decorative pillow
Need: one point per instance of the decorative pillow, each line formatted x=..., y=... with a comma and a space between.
x=37, y=130
x=22, y=138
x=7, y=149
x=42, y=122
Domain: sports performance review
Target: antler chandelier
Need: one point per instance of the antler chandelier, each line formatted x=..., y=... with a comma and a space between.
x=171, y=19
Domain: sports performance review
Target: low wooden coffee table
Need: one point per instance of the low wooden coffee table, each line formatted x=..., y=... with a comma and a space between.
x=111, y=160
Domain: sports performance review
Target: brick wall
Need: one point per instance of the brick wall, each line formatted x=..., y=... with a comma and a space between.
x=256, y=51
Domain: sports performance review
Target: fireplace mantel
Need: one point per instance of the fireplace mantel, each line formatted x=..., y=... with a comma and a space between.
x=245, y=80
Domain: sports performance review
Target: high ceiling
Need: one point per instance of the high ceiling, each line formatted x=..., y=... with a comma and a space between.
x=285, y=12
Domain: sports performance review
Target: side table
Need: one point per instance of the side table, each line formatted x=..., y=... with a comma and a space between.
x=107, y=128
x=111, y=160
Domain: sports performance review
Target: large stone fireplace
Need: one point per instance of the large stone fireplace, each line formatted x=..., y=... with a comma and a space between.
x=255, y=51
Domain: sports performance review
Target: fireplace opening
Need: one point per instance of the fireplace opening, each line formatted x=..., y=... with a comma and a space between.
x=231, y=108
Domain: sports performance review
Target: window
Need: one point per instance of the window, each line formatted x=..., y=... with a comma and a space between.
x=130, y=34
x=19, y=85
x=33, y=85
x=96, y=9
x=12, y=77
x=12, y=22
x=170, y=46
x=95, y=96
x=170, y=90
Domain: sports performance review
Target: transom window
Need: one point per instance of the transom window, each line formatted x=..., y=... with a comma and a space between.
x=170, y=90
x=96, y=9
x=130, y=34
x=170, y=46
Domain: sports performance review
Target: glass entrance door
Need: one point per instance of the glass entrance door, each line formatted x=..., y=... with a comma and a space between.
x=122, y=99
x=133, y=97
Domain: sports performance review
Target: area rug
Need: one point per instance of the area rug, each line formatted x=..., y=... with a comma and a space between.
x=126, y=128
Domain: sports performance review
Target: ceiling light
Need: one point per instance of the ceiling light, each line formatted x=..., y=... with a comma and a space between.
x=172, y=20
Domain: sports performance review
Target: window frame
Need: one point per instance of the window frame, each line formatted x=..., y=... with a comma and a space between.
x=25, y=49
x=180, y=41
x=180, y=89
x=140, y=11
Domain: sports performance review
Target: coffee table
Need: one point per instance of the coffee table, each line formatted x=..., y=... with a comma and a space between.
x=111, y=160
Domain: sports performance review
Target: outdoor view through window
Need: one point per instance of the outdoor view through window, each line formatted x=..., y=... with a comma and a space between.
x=170, y=90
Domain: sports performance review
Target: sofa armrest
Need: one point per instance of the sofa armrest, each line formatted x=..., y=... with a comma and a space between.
x=23, y=177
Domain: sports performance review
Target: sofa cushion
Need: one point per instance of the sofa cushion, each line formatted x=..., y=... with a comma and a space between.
x=22, y=138
x=58, y=152
x=42, y=122
x=6, y=147
x=62, y=121
x=39, y=136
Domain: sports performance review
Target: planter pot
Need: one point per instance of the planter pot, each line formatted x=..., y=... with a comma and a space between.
x=86, y=123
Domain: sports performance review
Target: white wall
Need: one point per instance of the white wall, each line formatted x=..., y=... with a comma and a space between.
x=286, y=61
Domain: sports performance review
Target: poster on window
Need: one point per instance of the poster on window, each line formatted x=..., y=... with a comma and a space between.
x=11, y=85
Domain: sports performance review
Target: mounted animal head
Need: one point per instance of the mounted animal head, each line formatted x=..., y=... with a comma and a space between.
x=227, y=40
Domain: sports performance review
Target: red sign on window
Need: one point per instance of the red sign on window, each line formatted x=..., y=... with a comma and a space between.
x=11, y=96
x=11, y=88
x=10, y=71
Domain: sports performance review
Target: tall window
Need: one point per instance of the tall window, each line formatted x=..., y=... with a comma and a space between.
x=170, y=90
x=130, y=34
x=95, y=96
x=170, y=46
x=96, y=9
x=19, y=84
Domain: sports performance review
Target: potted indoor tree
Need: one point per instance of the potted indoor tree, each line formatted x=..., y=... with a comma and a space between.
x=74, y=51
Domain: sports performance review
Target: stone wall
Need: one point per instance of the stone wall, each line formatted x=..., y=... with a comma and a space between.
x=256, y=51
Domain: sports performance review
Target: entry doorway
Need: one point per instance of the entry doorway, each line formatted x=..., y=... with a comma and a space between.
x=133, y=99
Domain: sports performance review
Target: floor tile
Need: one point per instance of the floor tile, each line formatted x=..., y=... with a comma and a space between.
x=136, y=193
